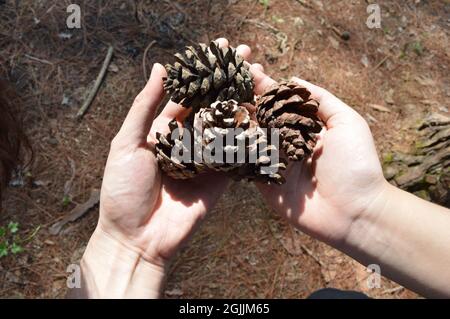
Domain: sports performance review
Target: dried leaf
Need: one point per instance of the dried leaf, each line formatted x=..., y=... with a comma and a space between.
x=176, y=292
x=334, y=42
x=425, y=81
x=389, y=97
x=380, y=108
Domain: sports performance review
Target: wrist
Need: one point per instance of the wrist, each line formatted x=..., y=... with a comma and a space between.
x=407, y=238
x=111, y=269
x=365, y=237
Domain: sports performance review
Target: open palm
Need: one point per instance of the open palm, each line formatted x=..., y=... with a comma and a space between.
x=139, y=206
x=323, y=195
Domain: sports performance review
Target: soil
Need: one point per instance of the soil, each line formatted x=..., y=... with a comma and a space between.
x=243, y=249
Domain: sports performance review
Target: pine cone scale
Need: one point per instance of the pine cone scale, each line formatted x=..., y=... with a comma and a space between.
x=173, y=165
x=288, y=107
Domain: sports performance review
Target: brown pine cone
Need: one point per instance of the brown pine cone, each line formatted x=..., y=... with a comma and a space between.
x=213, y=125
x=173, y=166
x=290, y=108
x=203, y=75
x=259, y=162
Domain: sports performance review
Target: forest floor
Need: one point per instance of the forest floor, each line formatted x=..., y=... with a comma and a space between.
x=393, y=76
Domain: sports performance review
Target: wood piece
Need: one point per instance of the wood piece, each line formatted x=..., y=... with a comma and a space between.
x=97, y=84
x=79, y=211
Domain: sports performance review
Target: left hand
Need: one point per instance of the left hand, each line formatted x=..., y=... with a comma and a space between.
x=145, y=216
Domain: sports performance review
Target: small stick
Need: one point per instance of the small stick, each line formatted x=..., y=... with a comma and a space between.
x=393, y=290
x=77, y=212
x=38, y=60
x=97, y=83
x=380, y=63
x=312, y=255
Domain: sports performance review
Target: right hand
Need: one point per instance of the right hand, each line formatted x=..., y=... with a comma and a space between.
x=324, y=195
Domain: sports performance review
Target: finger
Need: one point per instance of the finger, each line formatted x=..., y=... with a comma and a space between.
x=258, y=67
x=137, y=124
x=244, y=51
x=222, y=42
x=174, y=110
x=262, y=81
x=330, y=105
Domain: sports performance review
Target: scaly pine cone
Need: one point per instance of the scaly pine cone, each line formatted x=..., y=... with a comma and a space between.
x=289, y=107
x=203, y=75
x=213, y=124
x=173, y=166
x=263, y=169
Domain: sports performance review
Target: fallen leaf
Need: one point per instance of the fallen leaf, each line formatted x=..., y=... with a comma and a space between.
x=425, y=81
x=176, y=292
x=431, y=103
x=113, y=68
x=365, y=61
x=380, y=108
x=319, y=4
x=371, y=119
x=334, y=42
x=389, y=98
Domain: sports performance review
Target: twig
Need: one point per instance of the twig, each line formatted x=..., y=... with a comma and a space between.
x=294, y=45
x=380, y=63
x=68, y=183
x=244, y=18
x=144, y=59
x=393, y=290
x=97, y=83
x=76, y=213
x=312, y=255
x=176, y=6
x=32, y=235
x=38, y=60
x=305, y=4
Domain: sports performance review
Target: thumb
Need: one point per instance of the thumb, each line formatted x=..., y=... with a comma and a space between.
x=138, y=122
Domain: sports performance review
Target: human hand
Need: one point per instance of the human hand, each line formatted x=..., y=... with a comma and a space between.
x=325, y=194
x=145, y=215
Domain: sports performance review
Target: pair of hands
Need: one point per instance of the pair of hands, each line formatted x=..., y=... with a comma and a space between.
x=153, y=215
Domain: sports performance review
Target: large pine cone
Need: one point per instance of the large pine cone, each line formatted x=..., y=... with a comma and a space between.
x=174, y=166
x=203, y=75
x=290, y=108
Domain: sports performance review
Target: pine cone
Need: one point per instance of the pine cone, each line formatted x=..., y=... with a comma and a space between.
x=288, y=107
x=213, y=125
x=218, y=121
x=172, y=165
x=203, y=75
x=259, y=165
